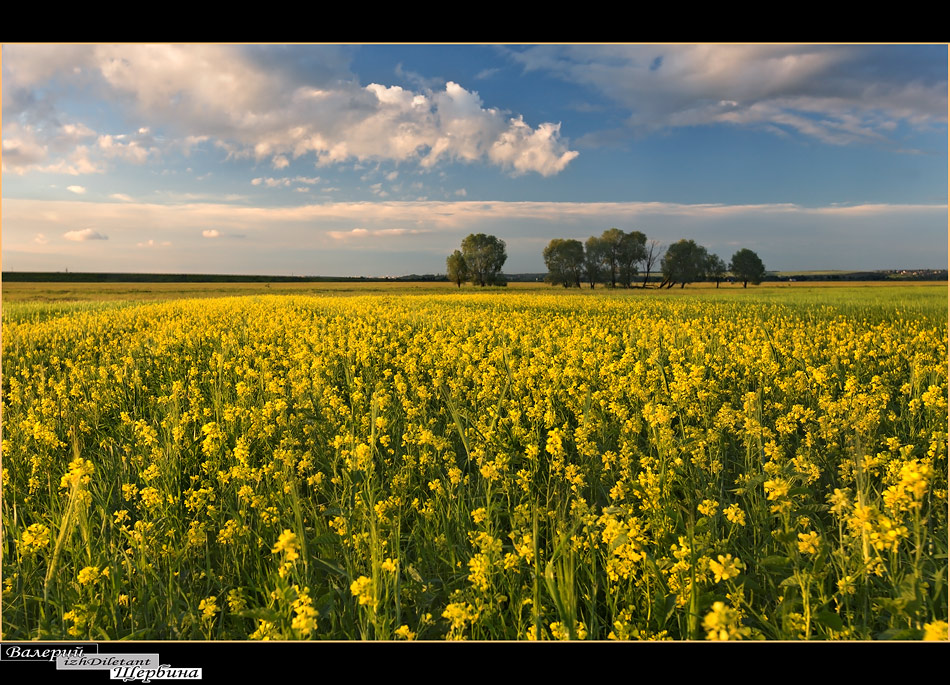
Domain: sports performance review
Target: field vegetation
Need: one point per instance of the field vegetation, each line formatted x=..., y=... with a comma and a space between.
x=515, y=464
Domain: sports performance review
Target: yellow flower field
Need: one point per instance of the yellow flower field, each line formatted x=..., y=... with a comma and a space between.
x=500, y=465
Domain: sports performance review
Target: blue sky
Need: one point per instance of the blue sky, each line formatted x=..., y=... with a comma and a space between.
x=379, y=159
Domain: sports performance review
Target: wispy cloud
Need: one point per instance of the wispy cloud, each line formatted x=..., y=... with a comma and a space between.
x=836, y=94
x=211, y=233
x=284, y=182
x=84, y=234
x=79, y=190
x=487, y=73
x=377, y=233
x=786, y=235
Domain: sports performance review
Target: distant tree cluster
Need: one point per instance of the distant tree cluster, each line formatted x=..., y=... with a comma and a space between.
x=480, y=261
x=686, y=262
x=616, y=258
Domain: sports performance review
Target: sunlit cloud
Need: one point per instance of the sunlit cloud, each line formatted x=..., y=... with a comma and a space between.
x=377, y=233
x=786, y=235
x=79, y=190
x=134, y=151
x=83, y=235
x=251, y=108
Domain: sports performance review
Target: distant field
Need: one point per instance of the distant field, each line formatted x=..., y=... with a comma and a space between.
x=68, y=292
x=85, y=292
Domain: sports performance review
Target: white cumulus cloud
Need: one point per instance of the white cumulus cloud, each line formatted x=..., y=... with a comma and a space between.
x=251, y=105
x=79, y=190
x=211, y=233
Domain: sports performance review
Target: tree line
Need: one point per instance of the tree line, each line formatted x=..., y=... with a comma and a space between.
x=614, y=259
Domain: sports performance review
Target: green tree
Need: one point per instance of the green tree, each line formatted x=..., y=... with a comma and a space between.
x=612, y=253
x=457, y=268
x=684, y=262
x=565, y=262
x=484, y=256
x=715, y=268
x=633, y=250
x=593, y=260
x=746, y=266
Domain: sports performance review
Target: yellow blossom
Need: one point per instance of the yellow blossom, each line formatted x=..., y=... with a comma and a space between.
x=34, y=538
x=287, y=543
x=726, y=567
x=722, y=623
x=937, y=630
x=362, y=588
x=404, y=633
x=808, y=542
x=735, y=515
x=88, y=575
x=208, y=608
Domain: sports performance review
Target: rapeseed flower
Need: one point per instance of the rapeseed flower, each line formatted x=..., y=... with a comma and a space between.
x=936, y=630
x=34, y=538
x=460, y=615
x=266, y=630
x=735, y=515
x=362, y=589
x=808, y=543
x=208, y=608
x=89, y=575
x=79, y=473
x=725, y=567
x=403, y=632
x=723, y=623
x=287, y=544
